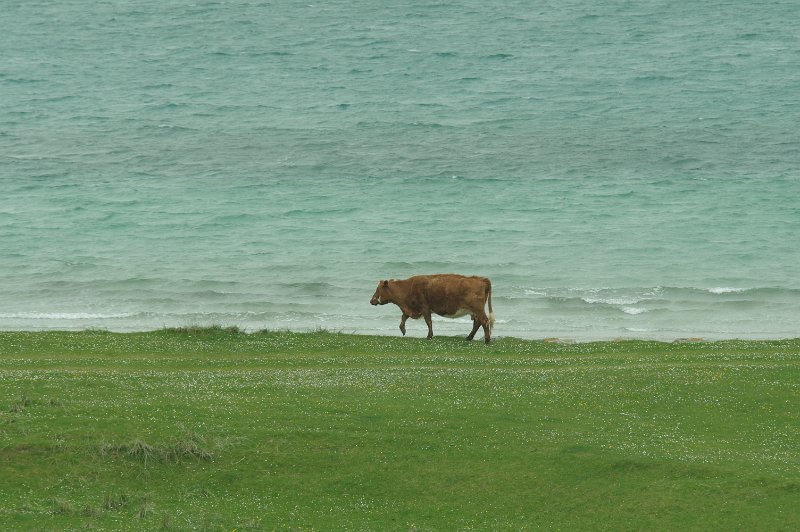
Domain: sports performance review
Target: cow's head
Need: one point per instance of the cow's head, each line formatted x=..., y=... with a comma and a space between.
x=382, y=294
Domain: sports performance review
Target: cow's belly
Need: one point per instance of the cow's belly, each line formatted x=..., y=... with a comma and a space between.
x=457, y=314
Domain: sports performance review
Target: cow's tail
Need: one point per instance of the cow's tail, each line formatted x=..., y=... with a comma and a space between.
x=489, y=300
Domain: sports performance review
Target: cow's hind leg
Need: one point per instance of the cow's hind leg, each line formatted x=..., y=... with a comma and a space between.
x=483, y=319
x=475, y=325
x=403, y=324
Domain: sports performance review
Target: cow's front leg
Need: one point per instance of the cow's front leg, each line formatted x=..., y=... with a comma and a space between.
x=428, y=320
x=403, y=323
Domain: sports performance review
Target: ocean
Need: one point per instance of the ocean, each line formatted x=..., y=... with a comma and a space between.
x=618, y=169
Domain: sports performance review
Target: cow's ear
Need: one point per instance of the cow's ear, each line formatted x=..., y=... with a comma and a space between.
x=386, y=284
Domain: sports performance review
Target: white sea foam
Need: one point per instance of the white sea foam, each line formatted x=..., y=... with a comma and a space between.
x=612, y=300
x=726, y=290
x=62, y=316
x=633, y=310
x=534, y=292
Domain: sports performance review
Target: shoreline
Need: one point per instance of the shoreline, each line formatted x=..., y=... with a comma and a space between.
x=233, y=331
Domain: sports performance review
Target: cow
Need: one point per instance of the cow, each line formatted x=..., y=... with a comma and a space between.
x=446, y=294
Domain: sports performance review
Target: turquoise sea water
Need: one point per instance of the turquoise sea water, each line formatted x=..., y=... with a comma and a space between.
x=618, y=169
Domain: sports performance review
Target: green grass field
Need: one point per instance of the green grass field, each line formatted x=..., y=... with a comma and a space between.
x=216, y=429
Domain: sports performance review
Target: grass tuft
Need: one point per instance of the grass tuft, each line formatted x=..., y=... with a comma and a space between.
x=114, y=501
x=166, y=522
x=21, y=404
x=63, y=506
x=319, y=330
x=91, y=511
x=201, y=330
x=145, y=509
x=190, y=447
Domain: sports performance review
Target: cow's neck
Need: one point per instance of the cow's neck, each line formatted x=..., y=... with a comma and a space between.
x=403, y=296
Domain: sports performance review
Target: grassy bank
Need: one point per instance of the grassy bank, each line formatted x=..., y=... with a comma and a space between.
x=216, y=429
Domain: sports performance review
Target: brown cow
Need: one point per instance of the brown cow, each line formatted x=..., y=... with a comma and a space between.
x=446, y=294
